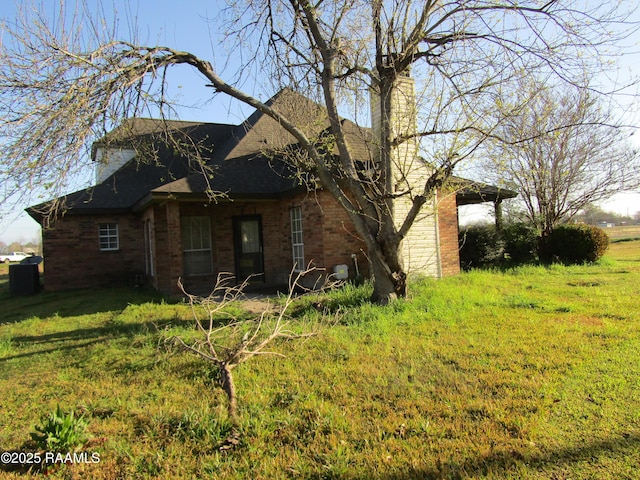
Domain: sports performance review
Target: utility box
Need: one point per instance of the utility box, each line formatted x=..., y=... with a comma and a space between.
x=341, y=272
x=24, y=279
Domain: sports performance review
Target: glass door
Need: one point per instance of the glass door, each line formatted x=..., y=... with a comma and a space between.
x=247, y=236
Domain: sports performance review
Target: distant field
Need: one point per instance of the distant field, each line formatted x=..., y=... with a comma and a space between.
x=627, y=231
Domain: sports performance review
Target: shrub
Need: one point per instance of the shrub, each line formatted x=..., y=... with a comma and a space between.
x=60, y=432
x=572, y=244
x=520, y=242
x=480, y=246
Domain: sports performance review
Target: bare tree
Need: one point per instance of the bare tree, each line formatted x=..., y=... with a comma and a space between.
x=226, y=343
x=61, y=85
x=562, y=151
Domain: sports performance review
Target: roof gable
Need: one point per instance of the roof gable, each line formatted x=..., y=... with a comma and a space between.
x=260, y=133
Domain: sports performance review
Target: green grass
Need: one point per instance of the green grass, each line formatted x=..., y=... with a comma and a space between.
x=527, y=373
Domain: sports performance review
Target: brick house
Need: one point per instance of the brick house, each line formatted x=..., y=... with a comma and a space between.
x=155, y=216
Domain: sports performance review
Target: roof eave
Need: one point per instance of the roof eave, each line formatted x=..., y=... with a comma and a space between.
x=467, y=197
x=154, y=197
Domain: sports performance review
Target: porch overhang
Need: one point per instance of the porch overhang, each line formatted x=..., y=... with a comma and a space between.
x=473, y=193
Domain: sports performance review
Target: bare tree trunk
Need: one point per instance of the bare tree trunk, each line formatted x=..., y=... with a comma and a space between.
x=544, y=249
x=233, y=439
x=390, y=280
x=230, y=389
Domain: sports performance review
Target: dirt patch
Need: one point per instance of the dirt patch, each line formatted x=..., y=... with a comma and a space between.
x=258, y=303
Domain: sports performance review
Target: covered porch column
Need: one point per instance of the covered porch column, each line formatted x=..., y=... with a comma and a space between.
x=168, y=252
x=497, y=211
x=469, y=192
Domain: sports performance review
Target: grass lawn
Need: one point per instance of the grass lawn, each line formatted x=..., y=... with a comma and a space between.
x=527, y=373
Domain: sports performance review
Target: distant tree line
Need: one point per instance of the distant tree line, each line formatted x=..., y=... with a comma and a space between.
x=593, y=215
x=31, y=246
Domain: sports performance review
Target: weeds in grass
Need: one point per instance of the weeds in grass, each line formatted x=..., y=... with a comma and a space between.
x=204, y=427
x=60, y=431
x=6, y=345
x=347, y=296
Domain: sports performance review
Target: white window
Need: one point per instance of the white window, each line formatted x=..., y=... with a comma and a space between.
x=297, y=243
x=108, y=235
x=196, y=245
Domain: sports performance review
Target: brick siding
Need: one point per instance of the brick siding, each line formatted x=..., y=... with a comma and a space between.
x=329, y=237
x=448, y=234
x=73, y=258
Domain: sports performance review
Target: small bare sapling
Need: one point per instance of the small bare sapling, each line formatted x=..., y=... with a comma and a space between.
x=226, y=342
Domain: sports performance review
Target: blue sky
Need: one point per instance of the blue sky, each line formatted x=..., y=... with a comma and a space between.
x=180, y=25
x=186, y=26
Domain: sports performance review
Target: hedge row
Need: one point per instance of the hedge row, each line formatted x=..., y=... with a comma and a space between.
x=482, y=246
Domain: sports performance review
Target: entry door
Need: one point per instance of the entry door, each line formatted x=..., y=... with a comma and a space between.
x=247, y=235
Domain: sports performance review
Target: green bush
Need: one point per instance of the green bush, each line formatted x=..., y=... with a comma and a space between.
x=480, y=246
x=60, y=432
x=520, y=242
x=571, y=244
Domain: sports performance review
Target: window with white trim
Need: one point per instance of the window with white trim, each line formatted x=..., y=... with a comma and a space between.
x=297, y=243
x=196, y=245
x=108, y=237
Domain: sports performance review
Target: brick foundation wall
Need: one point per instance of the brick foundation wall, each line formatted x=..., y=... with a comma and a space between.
x=73, y=258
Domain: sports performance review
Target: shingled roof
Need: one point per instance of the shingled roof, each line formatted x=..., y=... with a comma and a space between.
x=240, y=178
x=132, y=182
x=233, y=154
x=260, y=132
